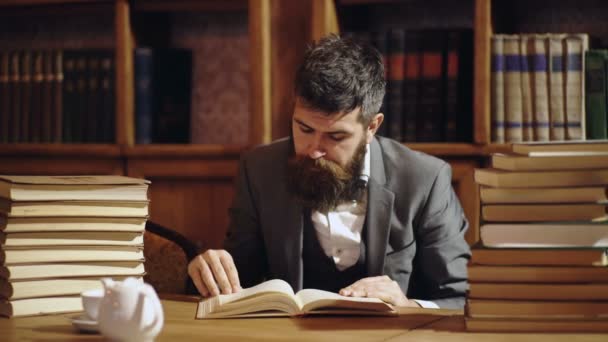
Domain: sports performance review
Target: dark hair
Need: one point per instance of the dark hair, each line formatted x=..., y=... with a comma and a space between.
x=338, y=75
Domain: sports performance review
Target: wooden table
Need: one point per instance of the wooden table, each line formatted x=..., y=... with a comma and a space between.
x=180, y=325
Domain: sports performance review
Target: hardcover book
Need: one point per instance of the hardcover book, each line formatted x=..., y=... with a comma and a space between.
x=55, y=188
x=276, y=298
x=540, y=179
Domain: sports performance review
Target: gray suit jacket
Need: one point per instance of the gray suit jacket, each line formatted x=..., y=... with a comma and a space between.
x=415, y=224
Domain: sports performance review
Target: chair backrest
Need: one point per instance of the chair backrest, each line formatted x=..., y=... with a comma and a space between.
x=167, y=254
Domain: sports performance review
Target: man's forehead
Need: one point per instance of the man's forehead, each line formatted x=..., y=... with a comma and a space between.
x=310, y=116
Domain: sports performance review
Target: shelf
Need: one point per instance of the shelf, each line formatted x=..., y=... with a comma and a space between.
x=60, y=150
x=24, y=3
x=183, y=151
x=368, y=2
x=189, y=5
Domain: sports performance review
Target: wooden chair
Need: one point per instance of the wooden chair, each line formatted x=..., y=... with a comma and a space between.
x=167, y=254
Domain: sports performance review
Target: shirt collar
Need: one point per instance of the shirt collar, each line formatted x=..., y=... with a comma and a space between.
x=365, y=171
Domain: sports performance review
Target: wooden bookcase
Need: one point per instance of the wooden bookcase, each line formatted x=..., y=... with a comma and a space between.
x=192, y=184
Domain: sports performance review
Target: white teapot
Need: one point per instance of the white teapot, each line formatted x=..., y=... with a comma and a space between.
x=130, y=311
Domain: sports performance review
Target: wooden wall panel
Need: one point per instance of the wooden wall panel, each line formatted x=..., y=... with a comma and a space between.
x=190, y=193
x=197, y=208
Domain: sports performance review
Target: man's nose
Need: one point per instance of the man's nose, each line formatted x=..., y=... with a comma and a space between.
x=315, y=149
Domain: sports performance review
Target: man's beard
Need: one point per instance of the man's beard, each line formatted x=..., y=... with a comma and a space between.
x=321, y=184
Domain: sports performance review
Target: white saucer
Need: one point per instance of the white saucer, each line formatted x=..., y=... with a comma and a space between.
x=85, y=324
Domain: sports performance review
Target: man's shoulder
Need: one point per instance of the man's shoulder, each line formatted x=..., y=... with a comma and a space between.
x=400, y=157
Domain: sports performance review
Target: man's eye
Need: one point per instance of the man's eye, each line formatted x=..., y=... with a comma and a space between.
x=305, y=129
x=336, y=137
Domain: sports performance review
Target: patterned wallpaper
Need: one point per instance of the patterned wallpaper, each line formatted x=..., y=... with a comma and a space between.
x=220, y=94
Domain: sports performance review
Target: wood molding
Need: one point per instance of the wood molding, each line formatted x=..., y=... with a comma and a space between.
x=482, y=72
x=261, y=66
x=125, y=94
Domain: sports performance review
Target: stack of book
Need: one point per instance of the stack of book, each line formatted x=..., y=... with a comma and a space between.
x=60, y=234
x=541, y=262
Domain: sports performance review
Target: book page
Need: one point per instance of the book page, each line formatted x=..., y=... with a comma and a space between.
x=270, y=286
x=273, y=295
x=312, y=299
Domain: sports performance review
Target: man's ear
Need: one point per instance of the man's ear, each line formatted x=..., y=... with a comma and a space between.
x=373, y=126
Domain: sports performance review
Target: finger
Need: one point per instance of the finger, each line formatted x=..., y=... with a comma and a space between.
x=220, y=275
x=359, y=291
x=347, y=291
x=231, y=272
x=200, y=285
x=195, y=274
x=209, y=280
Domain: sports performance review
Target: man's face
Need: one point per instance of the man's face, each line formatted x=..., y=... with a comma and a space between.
x=334, y=138
x=328, y=157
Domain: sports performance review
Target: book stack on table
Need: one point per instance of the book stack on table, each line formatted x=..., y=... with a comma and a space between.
x=60, y=234
x=541, y=262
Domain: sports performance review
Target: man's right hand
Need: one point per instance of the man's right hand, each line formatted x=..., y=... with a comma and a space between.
x=213, y=272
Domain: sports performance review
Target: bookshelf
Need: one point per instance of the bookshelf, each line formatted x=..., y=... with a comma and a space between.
x=192, y=183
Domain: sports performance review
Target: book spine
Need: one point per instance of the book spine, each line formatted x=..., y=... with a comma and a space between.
x=540, y=68
x=430, y=114
x=464, y=124
x=15, y=95
x=513, y=93
x=69, y=96
x=410, y=84
x=595, y=97
x=556, y=87
x=574, y=96
x=451, y=63
x=92, y=133
x=380, y=42
x=144, y=60
x=26, y=95
x=57, y=119
x=396, y=45
x=5, y=108
x=107, y=96
x=497, y=91
x=80, y=116
x=48, y=78
x=173, y=78
x=526, y=88
x=36, y=98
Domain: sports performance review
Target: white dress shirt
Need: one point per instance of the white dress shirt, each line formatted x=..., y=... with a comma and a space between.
x=339, y=230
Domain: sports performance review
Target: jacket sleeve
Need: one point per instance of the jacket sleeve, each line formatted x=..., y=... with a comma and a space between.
x=442, y=254
x=244, y=238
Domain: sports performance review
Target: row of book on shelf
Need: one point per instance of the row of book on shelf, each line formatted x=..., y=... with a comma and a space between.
x=541, y=263
x=52, y=96
x=547, y=87
x=68, y=96
x=61, y=234
x=429, y=83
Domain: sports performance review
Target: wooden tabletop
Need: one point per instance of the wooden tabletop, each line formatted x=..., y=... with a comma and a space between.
x=180, y=325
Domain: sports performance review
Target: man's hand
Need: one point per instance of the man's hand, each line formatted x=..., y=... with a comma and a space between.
x=381, y=287
x=213, y=272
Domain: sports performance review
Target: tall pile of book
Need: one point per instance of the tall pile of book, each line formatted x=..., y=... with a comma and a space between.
x=541, y=263
x=60, y=234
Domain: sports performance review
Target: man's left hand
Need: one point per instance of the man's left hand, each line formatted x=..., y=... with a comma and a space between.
x=381, y=287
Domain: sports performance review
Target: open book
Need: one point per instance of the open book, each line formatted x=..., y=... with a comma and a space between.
x=276, y=298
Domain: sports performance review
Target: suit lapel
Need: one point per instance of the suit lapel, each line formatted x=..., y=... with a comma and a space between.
x=379, y=209
x=287, y=238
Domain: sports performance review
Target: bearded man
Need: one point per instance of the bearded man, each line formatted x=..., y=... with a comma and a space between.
x=333, y=207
